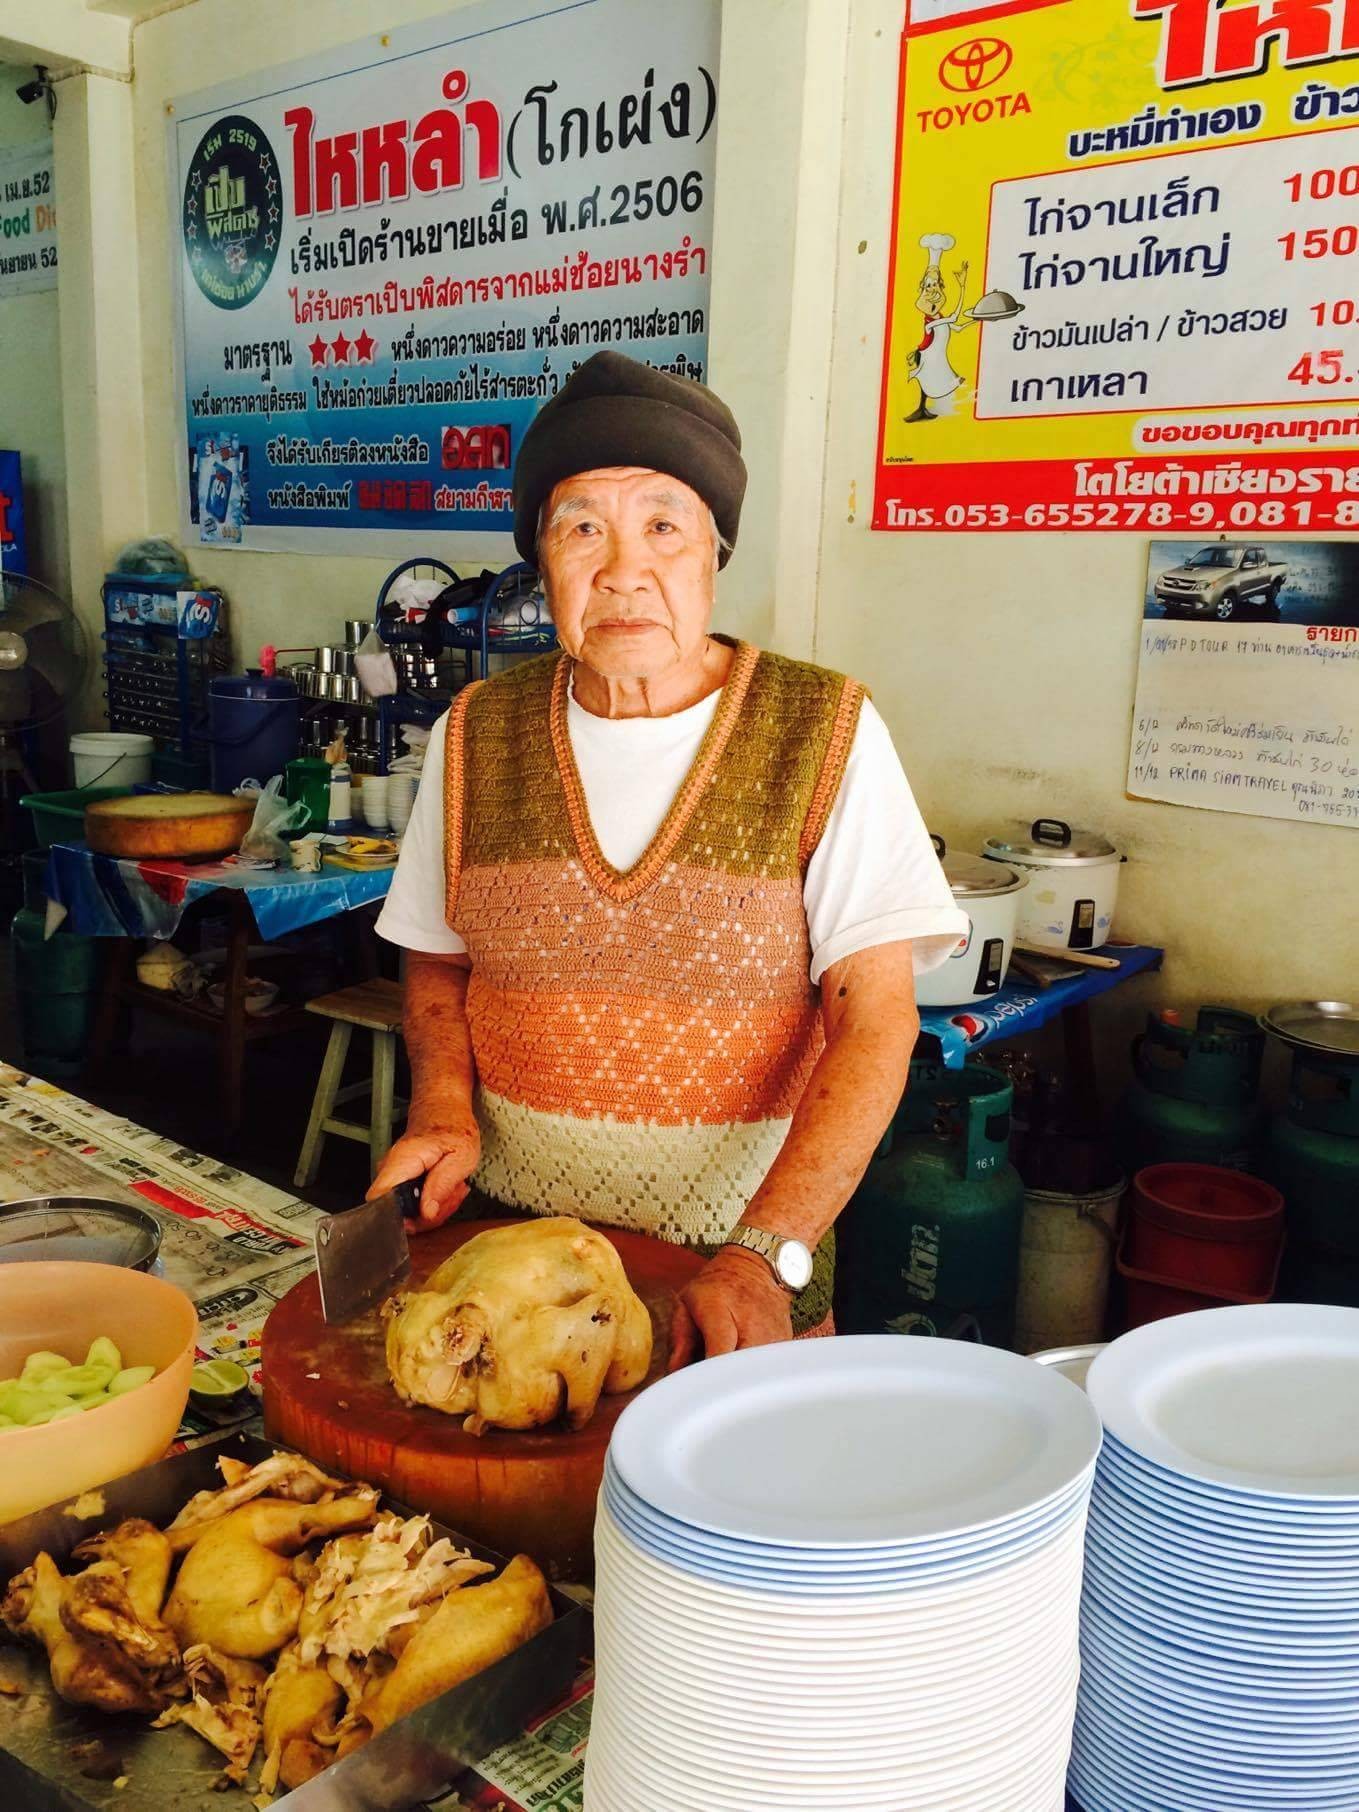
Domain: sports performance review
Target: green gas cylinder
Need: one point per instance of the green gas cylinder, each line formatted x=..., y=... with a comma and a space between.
x=54, y=986
x=1193, y=1096
x=1312, y=1158
x=929, y=1243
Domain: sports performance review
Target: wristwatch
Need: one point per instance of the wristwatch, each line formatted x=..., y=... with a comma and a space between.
x=788, y=1259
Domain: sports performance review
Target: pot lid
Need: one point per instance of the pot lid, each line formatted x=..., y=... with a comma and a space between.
x=1050, y=840
x=971, y=877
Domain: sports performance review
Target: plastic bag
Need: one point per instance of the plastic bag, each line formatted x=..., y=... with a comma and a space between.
x=274, y=814
x=375, y=667
x=153, y=556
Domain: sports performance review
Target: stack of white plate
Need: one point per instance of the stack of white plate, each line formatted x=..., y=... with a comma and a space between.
x=1221, y=1615
x=843, y=1573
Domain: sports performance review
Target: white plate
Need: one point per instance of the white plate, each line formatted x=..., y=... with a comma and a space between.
x=1041, y=1791
x=1315, y=1519
x=1060, y=1564
x=1258, y=1398
x=825, y=1745
x=674, y=1655
x=862, y=1440
x=986, y=1767
x=917, y=1558
x=1221, y=1738
x=903, y=1586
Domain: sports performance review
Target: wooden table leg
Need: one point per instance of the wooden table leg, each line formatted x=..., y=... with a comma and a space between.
x=380, y=1110
x=323, y=1103
x=119, y=959
x=233, y=1016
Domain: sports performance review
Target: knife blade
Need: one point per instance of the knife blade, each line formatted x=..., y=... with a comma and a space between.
x=363, y=1252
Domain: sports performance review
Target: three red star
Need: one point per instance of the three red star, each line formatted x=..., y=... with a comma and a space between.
x=340, y=347
x=317, y=349
x=365, y=347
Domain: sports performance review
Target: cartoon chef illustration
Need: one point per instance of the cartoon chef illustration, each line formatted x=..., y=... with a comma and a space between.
x=930, y=366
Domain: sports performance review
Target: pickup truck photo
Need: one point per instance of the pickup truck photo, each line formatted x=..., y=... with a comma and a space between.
x=1222, y=582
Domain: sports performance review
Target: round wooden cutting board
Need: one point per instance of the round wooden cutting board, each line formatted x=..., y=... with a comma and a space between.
x=327, y=1393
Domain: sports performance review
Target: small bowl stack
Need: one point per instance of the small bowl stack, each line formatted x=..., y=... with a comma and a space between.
x=1221, y=1614
x=842, y=1574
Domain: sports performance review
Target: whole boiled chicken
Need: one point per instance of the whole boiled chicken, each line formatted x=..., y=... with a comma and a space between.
x=521, y=1325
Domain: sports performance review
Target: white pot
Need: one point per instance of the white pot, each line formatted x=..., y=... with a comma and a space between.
x=990, y=895
x=1073, y=882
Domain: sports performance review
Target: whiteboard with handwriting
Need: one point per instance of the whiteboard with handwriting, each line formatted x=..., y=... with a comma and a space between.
x=1248, y=681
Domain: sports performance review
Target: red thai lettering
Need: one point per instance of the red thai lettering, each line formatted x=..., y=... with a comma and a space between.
x=385, y=161
x=1204, y=40
x=336, y=165
x=385, y=174
x=6, y=532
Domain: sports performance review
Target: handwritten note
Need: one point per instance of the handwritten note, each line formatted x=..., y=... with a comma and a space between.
x=1261, y=719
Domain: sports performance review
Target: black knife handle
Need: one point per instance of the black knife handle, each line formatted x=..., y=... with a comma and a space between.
x=408, y=1194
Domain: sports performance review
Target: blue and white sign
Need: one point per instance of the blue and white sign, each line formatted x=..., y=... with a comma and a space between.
x=28, y=220
x=389, y=257
x=13, y=547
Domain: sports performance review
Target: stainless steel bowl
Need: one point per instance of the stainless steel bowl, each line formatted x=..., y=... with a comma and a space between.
x=79, y=1227
x=1071, y=1361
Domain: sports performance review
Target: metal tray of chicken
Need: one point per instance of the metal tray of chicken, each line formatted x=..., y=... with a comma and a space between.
x=52, y=1754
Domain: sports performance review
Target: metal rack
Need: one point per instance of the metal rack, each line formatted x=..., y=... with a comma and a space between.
x=502, y=613
x=165, y=639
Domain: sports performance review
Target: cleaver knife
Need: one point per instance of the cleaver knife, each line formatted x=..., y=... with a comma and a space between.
x=363, y=1252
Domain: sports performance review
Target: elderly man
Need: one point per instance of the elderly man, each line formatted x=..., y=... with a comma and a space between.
x=663, y=895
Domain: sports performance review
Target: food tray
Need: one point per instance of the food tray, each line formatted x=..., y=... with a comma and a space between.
x=60, y=817
x=416, y=1760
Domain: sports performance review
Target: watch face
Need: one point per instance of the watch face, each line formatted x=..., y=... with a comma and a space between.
x=794, y=1264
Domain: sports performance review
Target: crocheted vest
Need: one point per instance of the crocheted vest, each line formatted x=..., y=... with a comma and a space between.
x=642, y=1037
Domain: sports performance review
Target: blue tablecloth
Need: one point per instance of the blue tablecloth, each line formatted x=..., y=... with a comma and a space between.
x=1022, y=1007
x=108, y=898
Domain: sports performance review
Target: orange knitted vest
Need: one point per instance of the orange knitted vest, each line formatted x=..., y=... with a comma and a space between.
x=641, y=1038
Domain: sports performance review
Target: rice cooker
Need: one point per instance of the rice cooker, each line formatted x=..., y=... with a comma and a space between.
x=1073, y=882
x=989, y=894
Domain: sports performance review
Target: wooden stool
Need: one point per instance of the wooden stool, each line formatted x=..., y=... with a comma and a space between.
x=376, y=1007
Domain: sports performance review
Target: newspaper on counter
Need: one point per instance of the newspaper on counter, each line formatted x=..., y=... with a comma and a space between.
x=541, y=1771
x=232, y=1243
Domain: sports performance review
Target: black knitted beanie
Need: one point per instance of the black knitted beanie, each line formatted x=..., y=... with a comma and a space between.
x=617, y=412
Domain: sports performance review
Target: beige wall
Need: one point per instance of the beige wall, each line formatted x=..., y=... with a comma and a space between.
x=30, y=361
x=1005, y=665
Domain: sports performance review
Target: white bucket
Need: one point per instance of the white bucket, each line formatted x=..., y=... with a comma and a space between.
x=112, y=758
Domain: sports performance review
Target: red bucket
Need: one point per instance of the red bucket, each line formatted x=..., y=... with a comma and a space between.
x=1215, y=1230
x=1146, y=1297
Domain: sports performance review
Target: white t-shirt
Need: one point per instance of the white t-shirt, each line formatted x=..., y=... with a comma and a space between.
x=873, y=879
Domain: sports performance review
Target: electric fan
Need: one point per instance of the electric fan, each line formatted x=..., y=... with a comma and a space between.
x=42, y=664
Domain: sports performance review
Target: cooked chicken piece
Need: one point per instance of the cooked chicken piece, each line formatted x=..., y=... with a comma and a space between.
x=145, y=1556
x=236, y=1590
x=284, y=1476
x=301, y=1699
x=224, y=1709
x=469, y=1631
x=521, y=1325
x=99, y=1606
x=114, y=1665
x=369, y=1588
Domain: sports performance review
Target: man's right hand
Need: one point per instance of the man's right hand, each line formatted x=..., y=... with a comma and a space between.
x=445, y=1156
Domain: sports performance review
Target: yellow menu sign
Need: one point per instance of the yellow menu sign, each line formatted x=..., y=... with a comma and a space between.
x=1124, y=288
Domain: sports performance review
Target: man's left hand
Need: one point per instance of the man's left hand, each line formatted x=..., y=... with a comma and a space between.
x=734, y=1301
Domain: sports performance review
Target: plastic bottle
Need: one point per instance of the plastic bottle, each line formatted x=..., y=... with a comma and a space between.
x=341, y=809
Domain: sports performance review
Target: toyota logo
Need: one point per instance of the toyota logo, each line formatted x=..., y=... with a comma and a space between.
x=980, y=63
